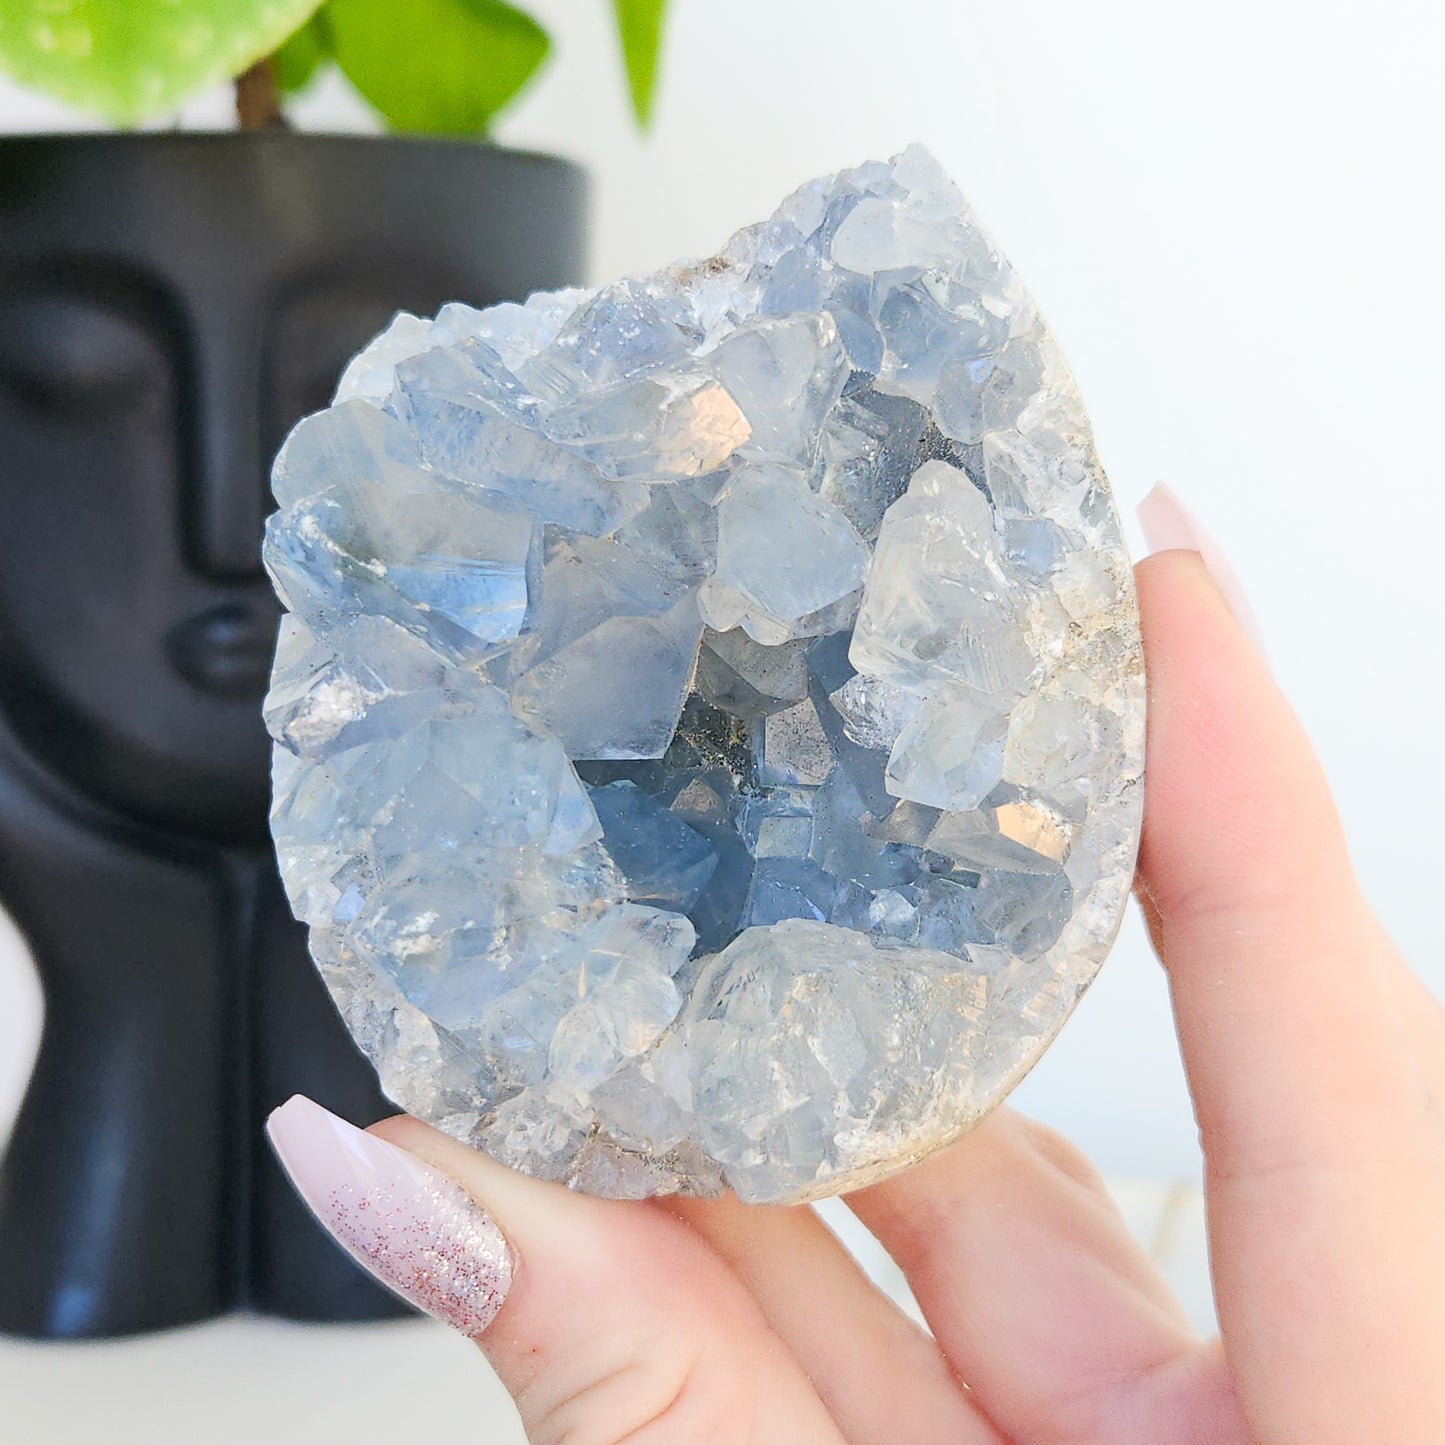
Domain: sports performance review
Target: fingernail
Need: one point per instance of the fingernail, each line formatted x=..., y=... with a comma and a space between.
x=413, y=1228
x=1169, y=525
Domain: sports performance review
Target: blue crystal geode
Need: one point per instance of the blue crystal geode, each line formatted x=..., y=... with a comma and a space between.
x=709, y=722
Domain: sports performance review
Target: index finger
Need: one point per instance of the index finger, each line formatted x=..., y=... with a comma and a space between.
x=1324, y=1165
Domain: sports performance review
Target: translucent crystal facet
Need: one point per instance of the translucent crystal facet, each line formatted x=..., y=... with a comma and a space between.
x=709, y=725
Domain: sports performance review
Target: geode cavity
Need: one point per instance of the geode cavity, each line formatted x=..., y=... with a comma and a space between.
x=710, y=719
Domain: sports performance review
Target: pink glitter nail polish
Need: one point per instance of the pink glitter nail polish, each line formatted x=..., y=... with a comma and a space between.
x=412, y=1227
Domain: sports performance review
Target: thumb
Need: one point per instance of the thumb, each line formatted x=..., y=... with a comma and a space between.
x=605, y=1320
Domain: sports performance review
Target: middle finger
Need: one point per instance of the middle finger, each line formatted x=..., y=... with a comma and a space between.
x=1040, y=1297
x=881, y=1377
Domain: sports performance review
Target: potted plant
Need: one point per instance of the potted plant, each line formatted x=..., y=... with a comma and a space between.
x=169, y=304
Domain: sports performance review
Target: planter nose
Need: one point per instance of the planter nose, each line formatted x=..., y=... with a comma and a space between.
x=229, y=496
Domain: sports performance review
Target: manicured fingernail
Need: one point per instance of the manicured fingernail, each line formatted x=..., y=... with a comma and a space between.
x=413, y=1228
x=1168, y=525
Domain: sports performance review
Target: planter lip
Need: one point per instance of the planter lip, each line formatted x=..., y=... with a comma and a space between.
x=281, y=139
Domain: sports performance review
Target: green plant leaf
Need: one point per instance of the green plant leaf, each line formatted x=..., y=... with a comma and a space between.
x=440, y=67
x=127, y=60
x=297, y=59
x=639, y=27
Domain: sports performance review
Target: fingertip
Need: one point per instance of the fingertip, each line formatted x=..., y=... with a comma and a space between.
x=396, y=1128
x=535, y=1213
x=412, y=1227
x=1235, y=801
x=611, y=1248
x=1180, y=600
x=1169, y=525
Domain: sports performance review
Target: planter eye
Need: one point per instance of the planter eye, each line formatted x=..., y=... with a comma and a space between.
x=68, y=353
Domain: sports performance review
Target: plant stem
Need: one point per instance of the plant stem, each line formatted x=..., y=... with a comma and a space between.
x=258, y=103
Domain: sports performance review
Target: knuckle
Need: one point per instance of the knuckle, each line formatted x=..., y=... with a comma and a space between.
x=658, y=1389
x=1058, y=1154
x=1220, y=897
x=1273, y=884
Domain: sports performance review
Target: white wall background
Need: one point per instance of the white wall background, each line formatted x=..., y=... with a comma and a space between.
x=1233, y=214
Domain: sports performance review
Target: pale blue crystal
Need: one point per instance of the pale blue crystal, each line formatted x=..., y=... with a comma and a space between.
x=661, y=859
x=787, y=552
x=709, y=722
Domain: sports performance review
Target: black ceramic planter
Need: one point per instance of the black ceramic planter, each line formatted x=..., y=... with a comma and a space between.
x=169, y=305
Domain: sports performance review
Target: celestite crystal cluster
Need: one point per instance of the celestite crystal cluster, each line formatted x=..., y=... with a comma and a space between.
x=709, y=725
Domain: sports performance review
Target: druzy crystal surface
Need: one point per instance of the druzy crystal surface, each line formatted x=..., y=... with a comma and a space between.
x=709, y=719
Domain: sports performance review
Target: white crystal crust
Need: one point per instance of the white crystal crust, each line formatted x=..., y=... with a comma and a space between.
x=709, y=718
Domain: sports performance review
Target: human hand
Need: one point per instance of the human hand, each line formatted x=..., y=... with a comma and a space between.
x=1316, y=1061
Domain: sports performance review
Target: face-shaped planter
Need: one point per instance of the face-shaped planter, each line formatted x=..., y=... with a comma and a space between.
x=169, y=305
